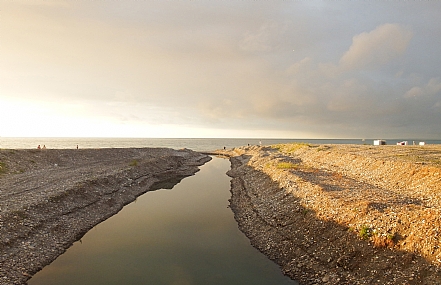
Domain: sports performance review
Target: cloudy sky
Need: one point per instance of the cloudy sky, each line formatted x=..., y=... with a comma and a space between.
x=204, y=68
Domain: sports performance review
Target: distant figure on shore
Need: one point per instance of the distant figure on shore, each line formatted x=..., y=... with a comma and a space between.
x=44, y=146
x=77, y=146
x=225, y=148
x=38, y=147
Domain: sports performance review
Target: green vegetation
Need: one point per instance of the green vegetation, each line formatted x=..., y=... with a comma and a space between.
x=286, y=165
x=2, y=167
x=134, y=163
x=365, y=232
x=290, y=147
x=305, y=212
x=419, y=159
x=419, y=155
x=391, y=237
x=323, y=148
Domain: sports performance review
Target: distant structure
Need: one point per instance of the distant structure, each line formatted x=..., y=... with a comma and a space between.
x=402, y=143
x=379, y=142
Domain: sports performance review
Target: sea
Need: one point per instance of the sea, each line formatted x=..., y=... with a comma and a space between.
x=196, y=144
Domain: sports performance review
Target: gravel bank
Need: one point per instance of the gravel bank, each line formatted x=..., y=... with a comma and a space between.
x=50, y=198
x=342, y=214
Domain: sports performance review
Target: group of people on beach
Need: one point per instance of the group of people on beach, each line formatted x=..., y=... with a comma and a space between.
x=44, y=147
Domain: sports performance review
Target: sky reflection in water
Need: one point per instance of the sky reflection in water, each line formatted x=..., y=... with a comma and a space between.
x=182, y=236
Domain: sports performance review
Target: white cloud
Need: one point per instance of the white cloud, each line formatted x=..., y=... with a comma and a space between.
x=300, y=66
x=414, y=92
x=267, y=38
x=431, y=88
x=434, y=85
x=376, y=48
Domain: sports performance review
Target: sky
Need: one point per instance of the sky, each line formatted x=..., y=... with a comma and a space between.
x=232, y=68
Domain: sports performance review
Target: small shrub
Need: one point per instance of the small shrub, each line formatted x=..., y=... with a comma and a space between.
x=384, y=241
x=134, y=163
x=365, y=232
x=305, y=212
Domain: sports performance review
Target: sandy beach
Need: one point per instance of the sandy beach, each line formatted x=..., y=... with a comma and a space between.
x=342, y=214
x=50, y=198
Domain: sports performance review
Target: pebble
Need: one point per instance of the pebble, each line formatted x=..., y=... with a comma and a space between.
x=324, y=189
x=44, y=210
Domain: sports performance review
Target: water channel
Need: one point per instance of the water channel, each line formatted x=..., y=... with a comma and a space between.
x=183, y=236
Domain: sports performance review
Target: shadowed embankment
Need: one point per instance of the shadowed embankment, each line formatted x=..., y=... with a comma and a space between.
x=50, y=198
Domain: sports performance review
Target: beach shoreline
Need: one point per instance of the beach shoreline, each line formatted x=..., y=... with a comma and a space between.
x=50, y=198
x=342, y=214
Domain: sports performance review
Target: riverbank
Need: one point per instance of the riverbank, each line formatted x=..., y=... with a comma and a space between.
x=51, y=198
x=342, y=214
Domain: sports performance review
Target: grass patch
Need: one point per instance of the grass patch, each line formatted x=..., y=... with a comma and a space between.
x=290, y=147
x=323, y=148
x=419, y=155
x=286, y=165
x=133, y=163
x=365, y=232
x=305, y=212
x=2, y=167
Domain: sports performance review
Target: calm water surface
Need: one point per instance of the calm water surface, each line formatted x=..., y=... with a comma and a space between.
x=182, y=236
x=197, y=144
